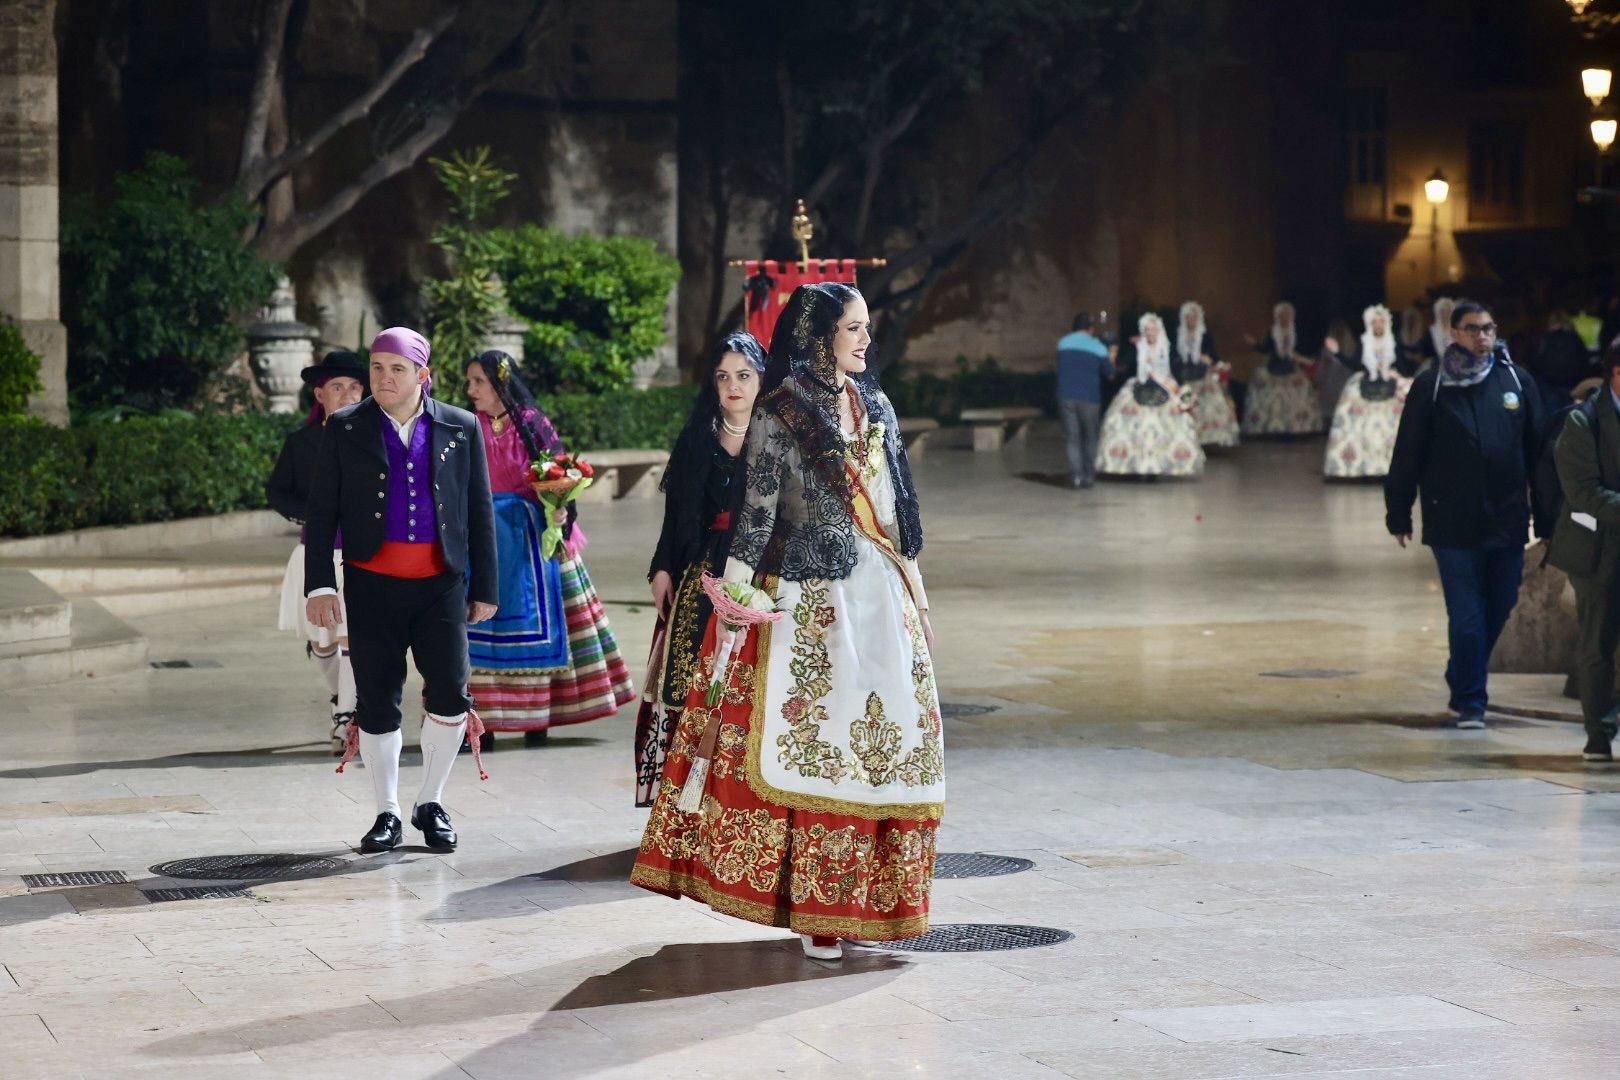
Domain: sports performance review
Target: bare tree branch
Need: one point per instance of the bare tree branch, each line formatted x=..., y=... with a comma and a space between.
x=435, y=122
x=254, y=179
x=271, y=38
x=876, y=150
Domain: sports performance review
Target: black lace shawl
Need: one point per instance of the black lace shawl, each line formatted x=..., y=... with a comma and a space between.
x=794, y=519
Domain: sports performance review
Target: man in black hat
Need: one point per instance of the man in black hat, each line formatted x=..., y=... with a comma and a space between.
x=338, y=381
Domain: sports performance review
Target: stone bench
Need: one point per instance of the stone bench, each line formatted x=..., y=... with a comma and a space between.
x=994, y=427
x=914, y=432
x=625, y=474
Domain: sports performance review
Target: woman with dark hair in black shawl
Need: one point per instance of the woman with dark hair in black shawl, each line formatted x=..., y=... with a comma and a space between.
x=548, y=657
x=699, y=489
x=825, y=762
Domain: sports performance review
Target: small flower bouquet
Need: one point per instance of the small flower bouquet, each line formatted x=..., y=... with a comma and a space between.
x=557, y=483
x=738, y=606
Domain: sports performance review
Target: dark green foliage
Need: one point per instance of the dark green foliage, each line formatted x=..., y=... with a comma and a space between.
x=155, y=285
x=595, y=305
x=983, y=385
x=42, y=485
x=643, y=419
x=157, y=468
x=146, y=468
x=19, y=370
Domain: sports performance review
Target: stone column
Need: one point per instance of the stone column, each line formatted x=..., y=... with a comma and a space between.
x=30, y=281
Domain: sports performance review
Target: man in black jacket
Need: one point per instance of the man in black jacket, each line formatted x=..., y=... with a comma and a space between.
x=1586, y=546
x=1469, y=437
x=406, y=479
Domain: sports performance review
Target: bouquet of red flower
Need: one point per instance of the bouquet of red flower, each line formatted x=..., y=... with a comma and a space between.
x=557, y=483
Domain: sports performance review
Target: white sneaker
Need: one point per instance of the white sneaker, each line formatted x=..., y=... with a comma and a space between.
x=1471, y=721
x=835, y=951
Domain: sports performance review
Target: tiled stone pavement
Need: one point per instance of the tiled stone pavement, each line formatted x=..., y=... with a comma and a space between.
x=1265, y=876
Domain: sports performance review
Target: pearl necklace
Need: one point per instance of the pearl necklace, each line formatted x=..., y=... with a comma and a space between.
x=734, y=432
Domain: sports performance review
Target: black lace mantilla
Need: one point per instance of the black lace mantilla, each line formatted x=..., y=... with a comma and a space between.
x=794, y=519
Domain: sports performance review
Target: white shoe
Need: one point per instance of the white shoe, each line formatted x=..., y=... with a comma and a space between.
x=835, y=951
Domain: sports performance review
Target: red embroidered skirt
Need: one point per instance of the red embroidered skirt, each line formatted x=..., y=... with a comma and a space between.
x=822, y=873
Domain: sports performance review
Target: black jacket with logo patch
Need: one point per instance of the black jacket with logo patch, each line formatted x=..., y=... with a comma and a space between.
x=1469, y=452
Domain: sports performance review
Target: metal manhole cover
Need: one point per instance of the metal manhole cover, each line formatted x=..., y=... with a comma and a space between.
x=71, y=878
x=972, y=864
x=980, y=937
x=955, y=709
x=248, y=867
x=194, y=892
x=1308, y=673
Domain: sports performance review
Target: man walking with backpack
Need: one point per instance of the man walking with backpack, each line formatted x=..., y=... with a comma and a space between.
x=1468, y=442
x=1586, y=546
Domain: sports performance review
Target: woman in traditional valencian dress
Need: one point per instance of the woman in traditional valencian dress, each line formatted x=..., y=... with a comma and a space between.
x=548, y=657
x=1149, y=428
x=825, y=780
x=1434, y=345
x=1281, y=398
x=1369, y=410
x=699, y=488
x=338, y=381
x=1196, y=364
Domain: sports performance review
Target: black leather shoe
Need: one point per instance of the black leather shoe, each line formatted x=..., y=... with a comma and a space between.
x=435, y=825
x=386, y=834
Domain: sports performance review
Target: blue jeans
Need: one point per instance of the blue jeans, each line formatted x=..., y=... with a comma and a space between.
x=1481, y=586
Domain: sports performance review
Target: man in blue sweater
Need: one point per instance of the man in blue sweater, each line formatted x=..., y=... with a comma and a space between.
x=1084, y=363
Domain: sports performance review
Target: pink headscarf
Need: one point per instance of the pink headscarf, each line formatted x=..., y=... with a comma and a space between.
x=403, y=341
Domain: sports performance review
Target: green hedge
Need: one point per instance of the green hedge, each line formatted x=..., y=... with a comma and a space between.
x=42, y=485
x=630, y=418
x=147, y=468
x=157, y=468
x=984, y=385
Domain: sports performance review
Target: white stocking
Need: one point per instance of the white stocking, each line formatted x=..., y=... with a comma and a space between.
x=441, y=742
x=380, y=753
x=328, y=667
x=345, y=683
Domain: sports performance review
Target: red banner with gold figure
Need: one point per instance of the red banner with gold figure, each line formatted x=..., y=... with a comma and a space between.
x=769, y=283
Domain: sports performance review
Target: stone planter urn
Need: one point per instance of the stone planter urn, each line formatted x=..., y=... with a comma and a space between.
x=279, y=348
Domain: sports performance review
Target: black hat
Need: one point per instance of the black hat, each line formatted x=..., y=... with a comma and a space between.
x=337, y=362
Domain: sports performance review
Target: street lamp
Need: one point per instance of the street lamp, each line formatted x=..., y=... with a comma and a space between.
x=1580, y=6
x=1595, y=82
x=1603, y=134
x=1435, y=189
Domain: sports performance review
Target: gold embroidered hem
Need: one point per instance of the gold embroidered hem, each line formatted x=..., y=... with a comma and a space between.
x=695, y=888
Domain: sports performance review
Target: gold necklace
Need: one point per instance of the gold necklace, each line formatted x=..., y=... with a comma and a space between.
x=497, y=424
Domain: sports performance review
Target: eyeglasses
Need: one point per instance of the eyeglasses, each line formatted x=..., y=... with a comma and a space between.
x=1478, y=328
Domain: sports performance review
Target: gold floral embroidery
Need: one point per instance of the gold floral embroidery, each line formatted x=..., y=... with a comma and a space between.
x=684, y=639
x=743, y=845
x=728, y=754
x=802, y=749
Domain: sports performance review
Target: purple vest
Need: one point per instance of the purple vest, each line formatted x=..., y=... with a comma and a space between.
x=411, y=517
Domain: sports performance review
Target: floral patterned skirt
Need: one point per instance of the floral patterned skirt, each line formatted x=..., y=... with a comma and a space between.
x=1148, y=440
x=801, y=824
x=1363, y=437
x=1281, y=405
x=1217, y=418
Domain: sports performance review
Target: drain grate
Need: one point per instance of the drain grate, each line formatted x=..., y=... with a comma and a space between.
x=72, y=878
x=194, y=892
x=248, y=867
x=1308, y=673
x=972, y=864
x=980, y=937
x=953, y=710
x=163, y=664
